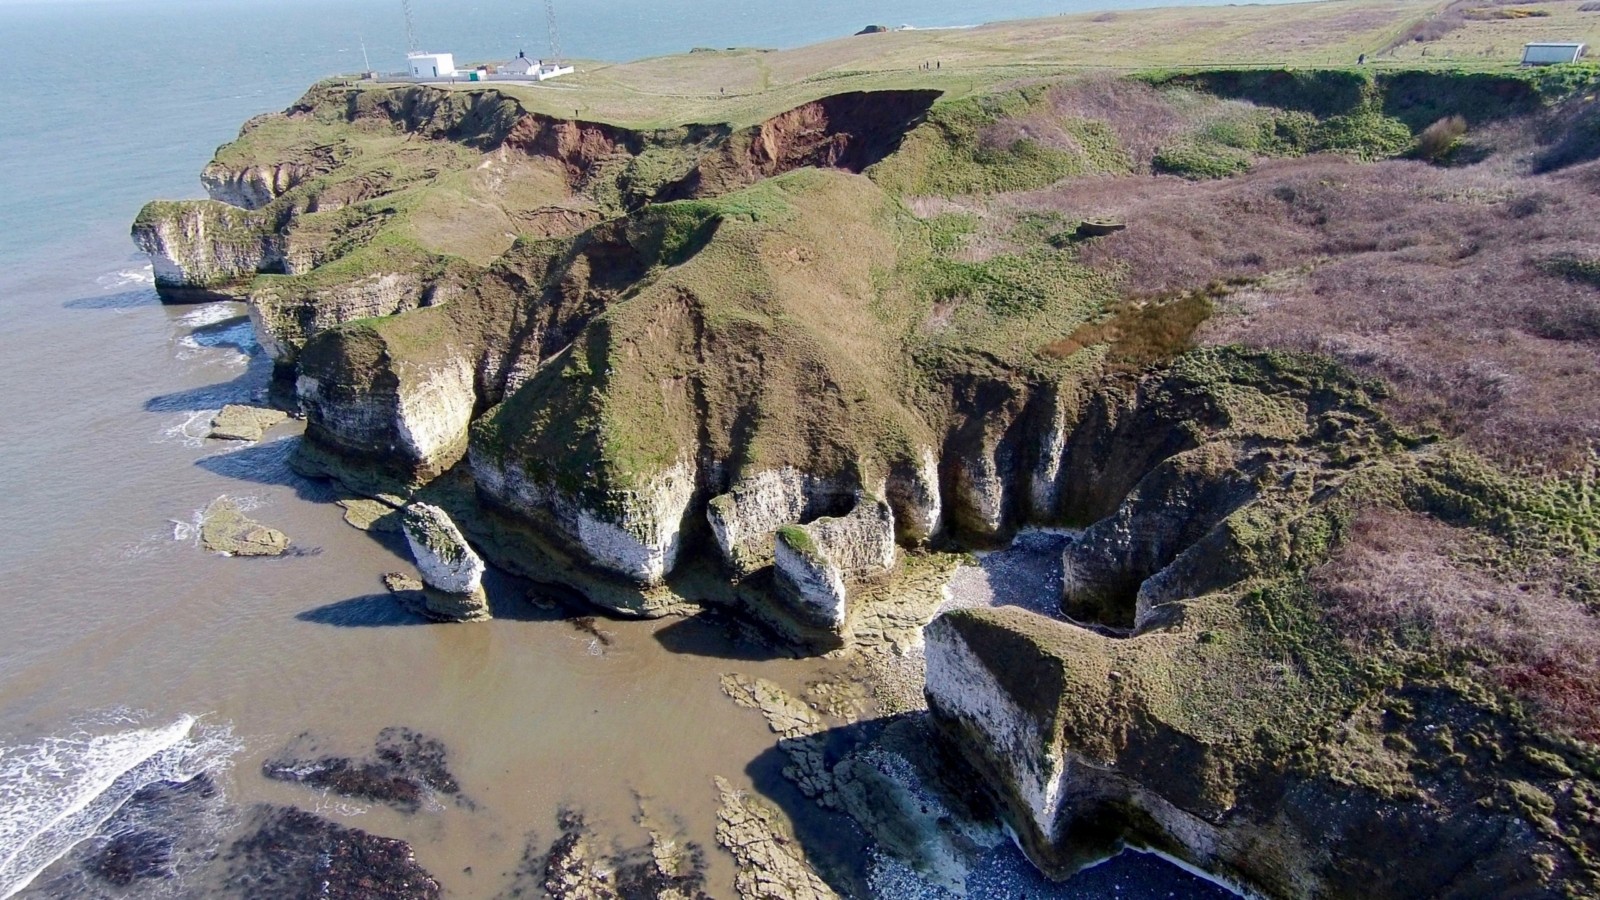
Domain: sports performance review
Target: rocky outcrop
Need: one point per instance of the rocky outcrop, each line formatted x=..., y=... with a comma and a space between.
x=366, y=403
x=818, y=563
x=244, y=423
x=771, y=863
x=745, y=520
x=451, y=571
x=1111, y=573
x=205, y=250
x=912, y=490
x=632, y=533
x=845, y=131
x=225, y=529
x=287, y=314
x=252, y=187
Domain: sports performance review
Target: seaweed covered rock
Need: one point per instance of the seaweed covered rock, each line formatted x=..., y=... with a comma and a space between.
x=225, y=529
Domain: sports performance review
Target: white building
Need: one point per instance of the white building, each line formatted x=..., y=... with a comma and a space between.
x=522, y=65
x=1550, y=54
x=532, y=69
x=431, y=65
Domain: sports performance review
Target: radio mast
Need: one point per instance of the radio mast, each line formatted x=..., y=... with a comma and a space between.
x=555, y=42
x=411, y=28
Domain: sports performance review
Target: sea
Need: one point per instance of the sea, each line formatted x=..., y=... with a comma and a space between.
x=131, y=660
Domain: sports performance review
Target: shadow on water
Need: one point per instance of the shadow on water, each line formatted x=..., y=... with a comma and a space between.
x=371, y=611
x=233, y=333
x=144, y=296
x=251, y=386
x=268, y=464
x=718, y=635
x=507, y=602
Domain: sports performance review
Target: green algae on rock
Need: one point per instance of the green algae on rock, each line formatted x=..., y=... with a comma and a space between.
x=244, y=423
x=775, y=367
x=225, y=529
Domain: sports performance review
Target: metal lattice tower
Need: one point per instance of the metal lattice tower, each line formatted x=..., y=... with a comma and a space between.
x=411, y=27
x=555, y=41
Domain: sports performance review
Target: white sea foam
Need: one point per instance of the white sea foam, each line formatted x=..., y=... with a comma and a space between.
x=131, y=277
x=191, y=430
x=56, y=792
x=188, y=532
x=211, y=314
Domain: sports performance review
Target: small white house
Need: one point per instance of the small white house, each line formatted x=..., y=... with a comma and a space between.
x=520, y=66
x=1550, y=54
x=432, y=65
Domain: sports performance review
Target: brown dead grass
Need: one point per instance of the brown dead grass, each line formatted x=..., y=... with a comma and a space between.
x=1437, y=280
x=1408, y=579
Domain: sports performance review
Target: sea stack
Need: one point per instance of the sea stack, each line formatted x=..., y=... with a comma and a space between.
x=451, y=572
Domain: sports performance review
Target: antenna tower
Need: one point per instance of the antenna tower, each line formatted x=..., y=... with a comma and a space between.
x=411, y=27
x=555, y=42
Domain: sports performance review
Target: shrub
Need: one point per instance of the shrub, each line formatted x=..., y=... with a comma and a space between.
x=1408, y=580
x=1439, y=140
x=1198, y=161
x=1464, y=288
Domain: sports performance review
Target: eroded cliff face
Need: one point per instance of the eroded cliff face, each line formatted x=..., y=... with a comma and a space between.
x=720, y=365
x=205, y=250
x=1096, y=730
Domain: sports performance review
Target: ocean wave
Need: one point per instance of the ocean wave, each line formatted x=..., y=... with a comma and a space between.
x=58, y=792
x=188, y=532
x=212, y=313
x=191, y=430
x=140, y=275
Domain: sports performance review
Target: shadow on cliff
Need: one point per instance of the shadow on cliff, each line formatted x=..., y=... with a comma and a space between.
x=717, y=635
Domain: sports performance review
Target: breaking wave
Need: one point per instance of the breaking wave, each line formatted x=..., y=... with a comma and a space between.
x=59, y=791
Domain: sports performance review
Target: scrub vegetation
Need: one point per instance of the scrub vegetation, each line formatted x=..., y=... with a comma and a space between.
x=1327, y=337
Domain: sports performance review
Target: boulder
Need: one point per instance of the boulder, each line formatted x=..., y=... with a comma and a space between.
x=224, y=528
x=244, y=423
x=452, y=572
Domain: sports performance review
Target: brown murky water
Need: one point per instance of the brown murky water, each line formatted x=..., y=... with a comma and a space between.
x=109, y=605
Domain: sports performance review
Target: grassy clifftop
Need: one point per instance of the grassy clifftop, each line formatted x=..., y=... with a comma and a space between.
x=1324, y=339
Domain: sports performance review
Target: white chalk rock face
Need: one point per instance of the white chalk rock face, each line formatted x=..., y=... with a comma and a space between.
x=961, y=687
x=811, y=580
x=286, y=318
x=637, y=535
x=913, y=494
x=417, y=414
x=817, y=563
x=445, y=559
x=642, y=542
x=252, y=187
x=744, y=520
x=433, y=410
x=448, y=564
x=203, y=246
